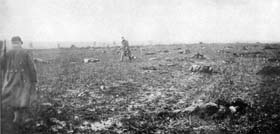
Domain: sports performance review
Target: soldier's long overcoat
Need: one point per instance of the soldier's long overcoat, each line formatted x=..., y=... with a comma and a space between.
x=18, y=78
x=126, y=49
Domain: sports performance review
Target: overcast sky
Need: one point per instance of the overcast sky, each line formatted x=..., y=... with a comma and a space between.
x=141, y=20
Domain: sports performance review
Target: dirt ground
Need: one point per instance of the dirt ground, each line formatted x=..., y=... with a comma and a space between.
x=145, y=95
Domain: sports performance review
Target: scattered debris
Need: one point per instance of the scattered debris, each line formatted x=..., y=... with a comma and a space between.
x=59, y=124
x=249, y=54
x=245, y=48
x=229, y=61
x=238, y=106
x=133, y=57
x=149, y=68
x=223, y=51
x=97, y=126
x=206, y=110
x=202, y=69
x=272, y=46
x=269, y=70
x=199, y=56
x=88, y=60
x=201, y=109
x=268, y=47
x=187, y=51
x=128, y=102
x=38, y=60
x=218, y=110
x=273, y=60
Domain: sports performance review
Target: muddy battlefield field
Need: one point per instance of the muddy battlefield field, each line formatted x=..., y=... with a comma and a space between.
x=165, y=89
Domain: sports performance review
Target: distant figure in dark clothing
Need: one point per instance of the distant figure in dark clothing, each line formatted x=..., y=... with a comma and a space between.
x=19, y=80
x=125, y=49
x=2, y=61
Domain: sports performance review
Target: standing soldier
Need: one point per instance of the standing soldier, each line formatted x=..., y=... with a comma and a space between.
x=126, y=50
x=2, y=61
x=19, y=79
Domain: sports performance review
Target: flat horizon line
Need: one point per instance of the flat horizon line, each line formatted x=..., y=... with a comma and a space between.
x=104, y=46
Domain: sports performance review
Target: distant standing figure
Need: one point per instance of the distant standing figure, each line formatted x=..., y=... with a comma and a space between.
x=19, y=79
x=2, y=61
x=125, y=49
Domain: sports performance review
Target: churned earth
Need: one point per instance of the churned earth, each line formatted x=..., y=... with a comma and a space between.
x=151, y=93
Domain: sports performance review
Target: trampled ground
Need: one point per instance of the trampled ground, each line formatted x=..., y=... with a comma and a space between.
x=149, y=94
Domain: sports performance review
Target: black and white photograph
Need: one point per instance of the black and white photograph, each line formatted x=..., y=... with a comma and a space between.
x=140, y=66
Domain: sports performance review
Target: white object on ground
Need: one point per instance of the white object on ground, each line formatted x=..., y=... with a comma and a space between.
x=88, y=60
